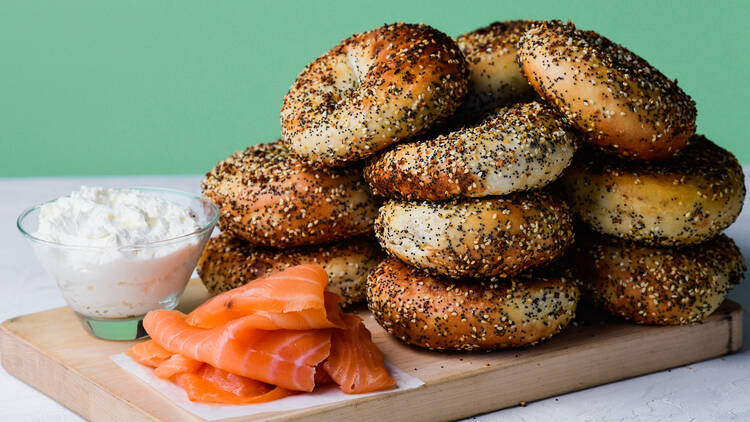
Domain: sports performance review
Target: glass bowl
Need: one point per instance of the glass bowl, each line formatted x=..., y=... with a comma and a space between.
x=111, y=289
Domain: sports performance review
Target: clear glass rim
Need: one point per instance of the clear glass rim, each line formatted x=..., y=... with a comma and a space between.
x=200, y=231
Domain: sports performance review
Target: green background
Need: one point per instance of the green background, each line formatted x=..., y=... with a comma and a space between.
x=150, y=87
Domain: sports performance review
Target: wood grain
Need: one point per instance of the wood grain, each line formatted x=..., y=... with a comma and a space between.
x=50, y=351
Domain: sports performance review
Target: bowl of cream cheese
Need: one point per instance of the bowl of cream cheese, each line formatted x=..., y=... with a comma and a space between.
x=117, y=254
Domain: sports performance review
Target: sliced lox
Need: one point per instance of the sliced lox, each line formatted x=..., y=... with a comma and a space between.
x=285, y=358
x=177, y=364
x=262, y=341
x=299, y=288
x=306, y=319
x=355, y=363
x=203, y=382
x=213, y=385
x=149, y=353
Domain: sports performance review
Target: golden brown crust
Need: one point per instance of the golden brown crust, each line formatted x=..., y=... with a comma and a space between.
x=521, y=147
x=620, y=102
x=494, y=76
x=686, y=200
x=269, y=197
x=229, y=262
x=446, y=314
x=371, y=90
x=489, y=237
x=659, y=286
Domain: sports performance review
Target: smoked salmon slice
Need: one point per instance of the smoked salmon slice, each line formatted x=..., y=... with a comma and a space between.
x=285, y=358
x=177, y=364
x=149, y=353
x=355, y=363
x=213, y=385
x=329, y=316
x=275, y=336
x=295, y=289
x=203, y=382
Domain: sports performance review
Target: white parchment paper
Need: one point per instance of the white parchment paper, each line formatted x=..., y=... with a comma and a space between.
x=211, y=412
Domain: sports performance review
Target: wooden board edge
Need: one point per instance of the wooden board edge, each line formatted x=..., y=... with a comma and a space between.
x=79, y=393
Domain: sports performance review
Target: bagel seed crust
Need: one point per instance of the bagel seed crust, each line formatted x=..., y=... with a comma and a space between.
x=371, y=90
x=655, y=285
x=483, y=238
x=522, y=147
x=438, y=313
x=686, y=200
x=269, y=197
x=616, y=99
x=495, y=79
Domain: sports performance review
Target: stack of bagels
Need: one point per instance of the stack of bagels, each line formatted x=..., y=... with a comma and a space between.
x=468, y=224
x=652, y=196
x=504, y=172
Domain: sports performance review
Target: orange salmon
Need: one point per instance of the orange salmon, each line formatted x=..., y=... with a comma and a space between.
x=284, y=357
x=270, y=338
x=295, y=289
x=355, y=363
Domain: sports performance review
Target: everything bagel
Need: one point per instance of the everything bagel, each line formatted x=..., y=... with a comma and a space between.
x=229, y=262
x=269, y=197
x=615, y=98
x=371, y=90
x=656, y=285
x=494, y=77
x=521, y=147
x=482, y=238
x=688, y=199
x=445, y=314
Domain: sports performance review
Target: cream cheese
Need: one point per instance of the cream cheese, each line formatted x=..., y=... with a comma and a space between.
x=107, y=265
x=112, y=218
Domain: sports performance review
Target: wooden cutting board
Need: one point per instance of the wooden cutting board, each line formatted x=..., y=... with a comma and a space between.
x=50, y=351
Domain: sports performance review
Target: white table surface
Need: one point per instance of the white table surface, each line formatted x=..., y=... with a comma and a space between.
x=718, y=389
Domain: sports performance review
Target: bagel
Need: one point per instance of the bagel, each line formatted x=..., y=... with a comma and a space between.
x=269, y=197
x=521, y=147
x=371, y=90
x=228, y=262
x=494, y=77
x=686, y=200
x=445, y=314
x=482, y=238
x=617, y=100
x=658, y=286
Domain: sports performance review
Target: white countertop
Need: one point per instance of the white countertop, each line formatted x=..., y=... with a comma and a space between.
x=718, y=389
